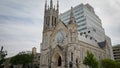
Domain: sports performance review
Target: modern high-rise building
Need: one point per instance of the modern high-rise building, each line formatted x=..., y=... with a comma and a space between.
x=116, y=52
x=87, y=21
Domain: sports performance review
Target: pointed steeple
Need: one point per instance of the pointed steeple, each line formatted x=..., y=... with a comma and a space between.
x=71, y=13
x=46, y=5
x=51, y=4
x=72, y=18
x=57, y=6
x=51, y=17
x=54, y=7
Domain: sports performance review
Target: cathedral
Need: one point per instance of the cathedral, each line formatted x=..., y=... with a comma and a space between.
x=63, y=46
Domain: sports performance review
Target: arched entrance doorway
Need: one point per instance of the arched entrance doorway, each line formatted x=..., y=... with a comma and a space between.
x=57, y=61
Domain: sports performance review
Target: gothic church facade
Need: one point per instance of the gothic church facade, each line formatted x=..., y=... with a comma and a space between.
x=61, y=45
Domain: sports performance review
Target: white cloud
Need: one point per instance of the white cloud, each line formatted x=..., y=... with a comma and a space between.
x=21, y=21
x=19, y=37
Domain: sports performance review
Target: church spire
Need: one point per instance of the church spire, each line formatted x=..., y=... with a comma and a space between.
x=51, y=17
x=58, y=6
x=72, y=18
x=45, y=4
x=71, y=13
x=51, y=4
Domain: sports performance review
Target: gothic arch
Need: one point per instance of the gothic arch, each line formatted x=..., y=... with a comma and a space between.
x=77, y=62
x=57, y=59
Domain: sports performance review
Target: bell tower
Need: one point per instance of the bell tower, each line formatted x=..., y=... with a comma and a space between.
x=50, y=16
x=51, y=19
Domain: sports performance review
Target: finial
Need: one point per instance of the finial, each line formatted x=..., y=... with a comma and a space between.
x=57, y=3
x=54, y=7
x=72, y=19
x=51, y=4
x=45, y=4
x=58, y=6
x=71, y=14
x=48, y=7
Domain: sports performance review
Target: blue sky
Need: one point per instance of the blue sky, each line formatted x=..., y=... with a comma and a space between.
x=21, y=21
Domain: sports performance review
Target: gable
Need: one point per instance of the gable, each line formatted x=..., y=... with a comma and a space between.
x=60, y=26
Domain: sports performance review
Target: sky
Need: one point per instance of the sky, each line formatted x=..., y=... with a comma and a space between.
x=21, y=21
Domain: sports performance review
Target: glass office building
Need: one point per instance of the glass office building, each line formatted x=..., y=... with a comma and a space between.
x=87, y=21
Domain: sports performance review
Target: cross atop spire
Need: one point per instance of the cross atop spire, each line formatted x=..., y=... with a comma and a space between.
x=51, y=4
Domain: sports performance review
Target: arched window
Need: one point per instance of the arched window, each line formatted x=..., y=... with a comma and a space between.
x=59, y=61
x=55, y=21
x=71, y=35
x=77, y=63
x=71, y=56
x=52, y=21
x=76, y=60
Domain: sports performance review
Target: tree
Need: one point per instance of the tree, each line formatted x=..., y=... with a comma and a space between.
x=109, y=63
x=23, y=58
x=117, y=64
x=91, y=61
x=3, y=54
x=1, y=62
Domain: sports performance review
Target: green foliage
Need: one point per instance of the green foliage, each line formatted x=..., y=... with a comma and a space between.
x=117, y=64
x=91, y=61
x=3, y=54
x=22, y=58
x=1, y=62
x=109, y=63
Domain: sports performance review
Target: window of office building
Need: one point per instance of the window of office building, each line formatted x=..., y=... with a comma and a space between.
x=82, y=29
x=84, y=32
x=81, y=33
x=80, y=17
x=82, y=25
x=79, y=13
x=94, y=30
x=86, y=36
x=78, y=9
x=88, y=31
x=90, y=38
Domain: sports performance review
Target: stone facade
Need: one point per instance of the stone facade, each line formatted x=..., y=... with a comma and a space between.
x=36, y=61
x=61, y=45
